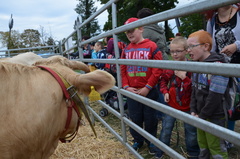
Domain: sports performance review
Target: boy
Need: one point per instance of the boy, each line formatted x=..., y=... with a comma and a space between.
x=101, y=54
x=176, y=87
x=141, y=80
x=207, y=95
x=93, y=56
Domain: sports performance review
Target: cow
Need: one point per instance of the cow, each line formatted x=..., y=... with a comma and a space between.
x=27, y=58
x=33, y=109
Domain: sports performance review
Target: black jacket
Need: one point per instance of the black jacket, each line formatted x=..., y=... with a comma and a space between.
x=208, y=91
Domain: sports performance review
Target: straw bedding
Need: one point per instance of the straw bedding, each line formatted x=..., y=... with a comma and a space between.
x=87, y=146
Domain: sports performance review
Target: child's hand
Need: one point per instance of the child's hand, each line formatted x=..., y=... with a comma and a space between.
x=143, y=91
x=166, y=97
x=132, y=89
x=194, y=114
x=180, y=74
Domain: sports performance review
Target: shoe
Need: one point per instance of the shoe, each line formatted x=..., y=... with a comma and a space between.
x=136, y=146
x=158, y=156
x=229, y=145
x=151, y=149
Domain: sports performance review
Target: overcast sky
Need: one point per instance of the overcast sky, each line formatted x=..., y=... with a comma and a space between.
x=56, y=16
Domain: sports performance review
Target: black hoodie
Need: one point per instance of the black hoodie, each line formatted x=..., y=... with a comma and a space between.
x=207, y=91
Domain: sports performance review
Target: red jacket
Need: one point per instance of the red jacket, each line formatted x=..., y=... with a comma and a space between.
x=139, y=76
x=179, y=90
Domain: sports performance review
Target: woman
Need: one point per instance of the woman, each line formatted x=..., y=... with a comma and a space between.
x=224, y=26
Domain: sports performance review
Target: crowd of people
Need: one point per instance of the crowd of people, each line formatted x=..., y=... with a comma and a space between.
x=198, y=94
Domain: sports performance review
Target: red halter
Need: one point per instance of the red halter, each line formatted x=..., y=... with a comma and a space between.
x=68, y=99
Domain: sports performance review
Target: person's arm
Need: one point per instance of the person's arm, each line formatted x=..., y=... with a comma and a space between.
x=156, y=72
x=237, y=43
x=94, y=55
x=166, y=77
x=209, y=27
x=193, y=103
x=164, y=81
x=124, y=75
x=110, y=47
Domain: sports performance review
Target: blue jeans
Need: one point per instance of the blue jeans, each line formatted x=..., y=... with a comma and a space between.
x=190, y=136
x=141, y=114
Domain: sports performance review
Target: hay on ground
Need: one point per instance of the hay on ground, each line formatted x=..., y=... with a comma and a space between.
x=87, y=146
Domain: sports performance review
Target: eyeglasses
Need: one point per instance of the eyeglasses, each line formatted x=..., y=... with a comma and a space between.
x=177, y=52
x=130, y=31
x=192, y=46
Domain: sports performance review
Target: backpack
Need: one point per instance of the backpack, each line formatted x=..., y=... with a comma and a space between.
x=101, y=55
x=111, y=68
x=232, y=99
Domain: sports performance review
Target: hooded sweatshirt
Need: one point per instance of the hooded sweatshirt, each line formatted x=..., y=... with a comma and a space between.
x=208, y=91
x=156, y=34
x=141, y=76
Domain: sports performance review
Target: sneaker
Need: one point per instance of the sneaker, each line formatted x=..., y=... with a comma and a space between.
x=137, y=146
x=158, y=157
x=151, y=149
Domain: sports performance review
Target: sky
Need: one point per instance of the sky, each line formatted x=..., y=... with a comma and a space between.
x=57, y=17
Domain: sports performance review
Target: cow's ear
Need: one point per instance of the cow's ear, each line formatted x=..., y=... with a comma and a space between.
x=77, y=65
x=101, y=80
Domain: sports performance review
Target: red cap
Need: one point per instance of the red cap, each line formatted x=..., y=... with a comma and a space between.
x=130, y=20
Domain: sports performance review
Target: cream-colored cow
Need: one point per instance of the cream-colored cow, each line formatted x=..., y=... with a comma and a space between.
x=33, y=110
x=27, y=58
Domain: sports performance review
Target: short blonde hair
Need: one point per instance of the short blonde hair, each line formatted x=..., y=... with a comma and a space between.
x=203, y=37
x=100, y=43
x=180, y=41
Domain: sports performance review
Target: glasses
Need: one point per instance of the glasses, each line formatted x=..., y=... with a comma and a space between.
x=177, y=52
x=192, y=46
x=130, y=31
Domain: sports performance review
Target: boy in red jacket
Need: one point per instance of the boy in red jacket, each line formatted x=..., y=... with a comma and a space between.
x=176, y=87
x=141, y=80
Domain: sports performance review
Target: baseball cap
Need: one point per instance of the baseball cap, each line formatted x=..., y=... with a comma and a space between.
x=130, y=20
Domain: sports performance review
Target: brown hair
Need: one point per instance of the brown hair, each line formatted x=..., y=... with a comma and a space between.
x=144, y=12
x=203, y=37
x=180, y=40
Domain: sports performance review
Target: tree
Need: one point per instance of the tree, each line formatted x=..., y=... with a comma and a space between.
x=192, y=23
x=15, y=39
x=85, y=9
x=129, y=8
x=50, y=41
x=43, y=35
x=30, y=38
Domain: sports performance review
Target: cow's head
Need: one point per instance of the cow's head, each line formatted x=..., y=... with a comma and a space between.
x=60, y=60
x=101, y=80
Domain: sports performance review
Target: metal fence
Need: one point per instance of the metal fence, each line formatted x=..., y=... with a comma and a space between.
x=213, y=68
x=43, y=51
